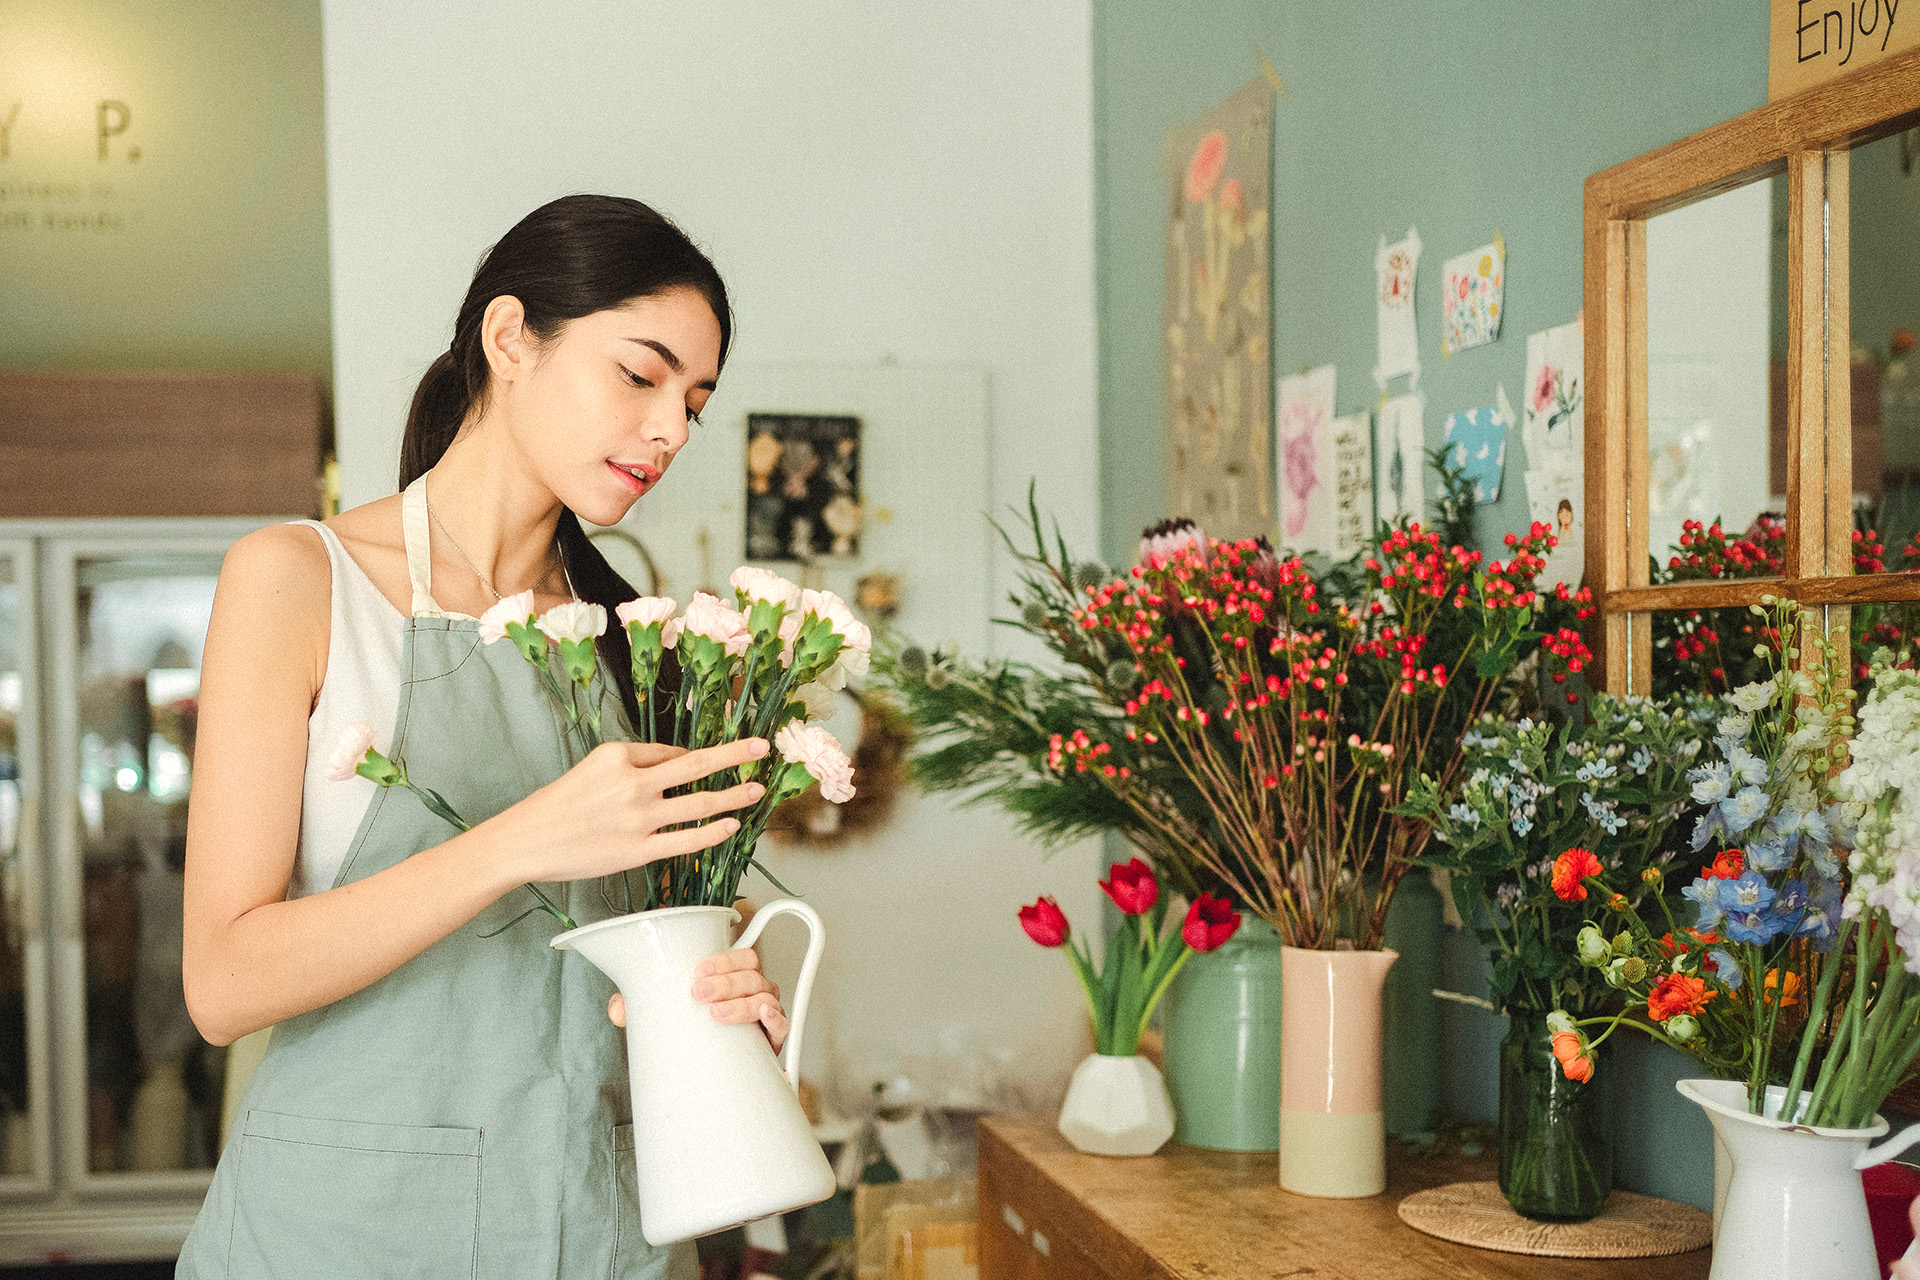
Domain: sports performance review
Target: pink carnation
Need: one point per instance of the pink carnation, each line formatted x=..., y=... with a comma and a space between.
x=856, y=638
x=709, y=616
x=816, y=749
x=355, y=741
x=764, y=584
x=648, y=610
x=513, y=608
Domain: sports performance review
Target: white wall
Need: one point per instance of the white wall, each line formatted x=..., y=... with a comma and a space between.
x=906, y=181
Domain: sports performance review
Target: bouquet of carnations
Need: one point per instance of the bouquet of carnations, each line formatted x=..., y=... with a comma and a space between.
x=765, y=666
x=1141, y=963
x=1614, y=781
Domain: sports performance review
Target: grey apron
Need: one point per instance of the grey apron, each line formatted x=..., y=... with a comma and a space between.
x=466, y=1115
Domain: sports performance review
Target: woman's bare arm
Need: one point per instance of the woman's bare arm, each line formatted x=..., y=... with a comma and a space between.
x=253, y=958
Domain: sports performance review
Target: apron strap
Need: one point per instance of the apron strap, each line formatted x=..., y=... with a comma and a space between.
x=413, y=528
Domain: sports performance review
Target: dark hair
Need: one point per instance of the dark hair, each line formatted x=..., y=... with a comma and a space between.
x=569, y=258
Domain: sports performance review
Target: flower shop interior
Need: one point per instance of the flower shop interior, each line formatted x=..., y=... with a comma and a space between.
x=1363, y=771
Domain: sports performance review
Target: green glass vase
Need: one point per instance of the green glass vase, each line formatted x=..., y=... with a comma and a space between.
x=1556, y=1135
x=1221, y=1047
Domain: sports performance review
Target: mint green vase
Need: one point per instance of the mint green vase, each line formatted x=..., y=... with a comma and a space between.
x=1221, y=1051
x=1411, y=1072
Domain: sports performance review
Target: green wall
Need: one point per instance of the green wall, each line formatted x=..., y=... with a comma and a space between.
x=193, y=234
x=1459, y=119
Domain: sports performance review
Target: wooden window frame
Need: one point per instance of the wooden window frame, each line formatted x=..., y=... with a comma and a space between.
x=1808, y=137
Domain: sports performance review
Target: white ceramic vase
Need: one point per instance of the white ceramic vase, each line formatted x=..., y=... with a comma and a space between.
x=1117, y=1106
x=1793, y=1206
x=719, y=1136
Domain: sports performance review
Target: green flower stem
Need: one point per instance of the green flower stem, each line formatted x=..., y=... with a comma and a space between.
x=437, y=805
x=1816, y=1017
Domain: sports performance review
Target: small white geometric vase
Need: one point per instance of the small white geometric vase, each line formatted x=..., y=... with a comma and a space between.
x=1117, y=1106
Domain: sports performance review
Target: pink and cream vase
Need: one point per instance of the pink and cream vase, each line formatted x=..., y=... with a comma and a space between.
x=1333, y=1132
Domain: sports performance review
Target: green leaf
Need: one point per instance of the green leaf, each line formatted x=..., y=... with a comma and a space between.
x=759, y=866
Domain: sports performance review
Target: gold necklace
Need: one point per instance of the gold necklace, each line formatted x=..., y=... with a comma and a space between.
x=467, y=559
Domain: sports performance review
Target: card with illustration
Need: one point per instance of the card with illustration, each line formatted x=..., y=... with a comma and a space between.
x=1555, y=496
x=803, y=486
x=1394, y=267
x=1402, y=454
x=1553, y=416
x=1352, y=507
x=1306, y=460
x=1476, y=443
x=1470, y=290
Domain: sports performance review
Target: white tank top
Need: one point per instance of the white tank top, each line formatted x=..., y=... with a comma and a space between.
x=362, y=682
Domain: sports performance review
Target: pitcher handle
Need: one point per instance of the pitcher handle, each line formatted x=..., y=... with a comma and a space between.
x=816, y=941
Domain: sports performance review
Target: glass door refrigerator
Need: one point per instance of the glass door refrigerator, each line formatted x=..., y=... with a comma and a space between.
x=110, y=1101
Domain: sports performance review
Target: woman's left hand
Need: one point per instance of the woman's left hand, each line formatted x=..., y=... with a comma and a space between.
x=733, y=986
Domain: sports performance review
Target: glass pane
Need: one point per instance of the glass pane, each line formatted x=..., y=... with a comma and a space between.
x=16, y=1134
x=1716, y=346
x=1884, y=306
x=154, y=1087
x=1716, y=422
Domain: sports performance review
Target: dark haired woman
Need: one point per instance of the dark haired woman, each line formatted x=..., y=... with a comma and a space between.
x=434, y=1102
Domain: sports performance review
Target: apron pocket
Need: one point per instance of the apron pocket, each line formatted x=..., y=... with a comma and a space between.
x=345, y=1198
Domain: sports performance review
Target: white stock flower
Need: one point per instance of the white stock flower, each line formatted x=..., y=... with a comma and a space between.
x=708, y=615
x=1752, y=697
x=514, y=608
x=575, y=620
x=648, y=610
x=816, y=749
x=764, y=585
x=355, y=741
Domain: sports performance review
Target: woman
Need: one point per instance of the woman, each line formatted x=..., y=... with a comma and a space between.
x=435, y=1101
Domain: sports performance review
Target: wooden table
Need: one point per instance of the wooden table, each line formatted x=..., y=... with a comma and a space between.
x=1047, y=1212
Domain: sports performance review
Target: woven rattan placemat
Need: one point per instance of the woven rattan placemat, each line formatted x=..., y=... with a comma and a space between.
x=1631, y=1226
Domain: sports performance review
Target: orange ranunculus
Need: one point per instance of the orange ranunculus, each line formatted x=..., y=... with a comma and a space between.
x=1677, y=993
x=1576, y=1060
x=1569, y=870
x=1671, y=946
x=1791, y=996
x=1727, y=865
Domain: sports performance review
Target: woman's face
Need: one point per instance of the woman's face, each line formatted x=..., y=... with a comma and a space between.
x=606, y=405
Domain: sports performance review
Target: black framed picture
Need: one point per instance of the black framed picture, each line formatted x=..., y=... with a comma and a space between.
x=803, y=486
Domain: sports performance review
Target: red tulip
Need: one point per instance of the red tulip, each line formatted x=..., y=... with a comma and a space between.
x=1045, y=922
x=1210, y=922
x=1132, y=887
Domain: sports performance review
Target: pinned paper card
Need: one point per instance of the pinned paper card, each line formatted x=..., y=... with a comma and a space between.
x=1395, y=266
x=1305, y=460
x=1555, y=496
x=1471, y=286
x=1352, y=485
x=1554, y=419
x=1402, y=455
x=1476, y=445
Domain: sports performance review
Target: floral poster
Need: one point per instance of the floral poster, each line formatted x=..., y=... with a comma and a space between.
x=1218, y=369
x=1553, y=417
x=1395, y=266
x=1471, y=286
x=1402, y=458
x=1306, y=460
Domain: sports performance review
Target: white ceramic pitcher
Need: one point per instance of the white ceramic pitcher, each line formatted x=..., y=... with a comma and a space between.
x=1794, y=1206
x=719, y=1138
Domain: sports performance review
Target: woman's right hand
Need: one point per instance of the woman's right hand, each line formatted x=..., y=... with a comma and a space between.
x=610, y=812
